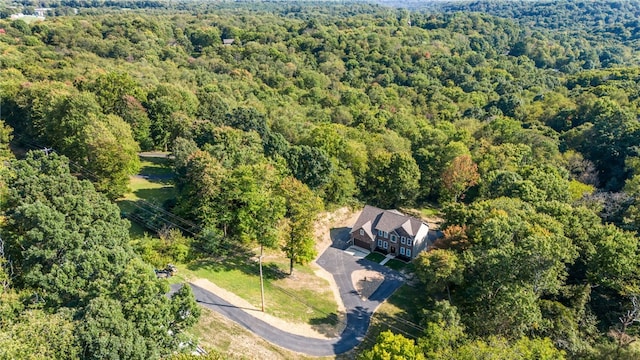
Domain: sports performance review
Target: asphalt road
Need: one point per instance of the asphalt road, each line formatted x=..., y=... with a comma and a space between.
x=340, y=265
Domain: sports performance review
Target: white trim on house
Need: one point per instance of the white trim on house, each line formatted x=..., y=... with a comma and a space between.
x=378, y=224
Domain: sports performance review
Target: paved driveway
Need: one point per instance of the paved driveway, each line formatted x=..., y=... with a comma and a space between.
x=340, y=265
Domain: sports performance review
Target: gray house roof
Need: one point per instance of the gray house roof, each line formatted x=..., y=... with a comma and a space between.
x=372, y=219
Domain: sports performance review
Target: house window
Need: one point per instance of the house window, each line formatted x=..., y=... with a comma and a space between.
x=380, y=243
x=393, y=238
x=408, y=253
x=403, y=240
x=409, y=242
x=361, y=231
x=385, y=245
x=386, y=234
x=379, y=232
x=401, y=251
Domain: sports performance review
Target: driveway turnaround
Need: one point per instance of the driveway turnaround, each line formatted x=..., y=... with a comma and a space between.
x=359, y=311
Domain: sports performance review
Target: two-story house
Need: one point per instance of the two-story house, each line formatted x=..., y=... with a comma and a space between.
x=389, y=232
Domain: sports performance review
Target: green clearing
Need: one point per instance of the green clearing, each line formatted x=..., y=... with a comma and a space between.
x=301, y=297
x=429, y=210
x=375, y=257
x=154, y=191
x=152, y=184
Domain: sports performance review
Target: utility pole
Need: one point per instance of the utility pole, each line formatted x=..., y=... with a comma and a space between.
x=261, y=279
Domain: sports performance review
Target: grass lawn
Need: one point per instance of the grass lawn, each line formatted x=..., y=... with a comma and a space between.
x=375, y=257
x=301, y=297
x=150, y=190
x=430, y=211
x=427, y=211
x=155, y=166
x=152, y=184
x=396, y=264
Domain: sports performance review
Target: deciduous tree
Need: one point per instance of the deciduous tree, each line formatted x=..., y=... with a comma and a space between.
x=459, y=176
x=302, y=208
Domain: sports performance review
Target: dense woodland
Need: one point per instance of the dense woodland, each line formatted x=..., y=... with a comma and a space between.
x=522, y=126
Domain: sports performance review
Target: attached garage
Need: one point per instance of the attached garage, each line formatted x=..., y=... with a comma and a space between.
x=361, y=243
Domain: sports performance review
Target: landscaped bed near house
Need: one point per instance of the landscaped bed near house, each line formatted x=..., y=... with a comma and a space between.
x=396, y=264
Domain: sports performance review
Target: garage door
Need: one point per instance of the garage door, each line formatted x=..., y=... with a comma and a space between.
x=362, y=244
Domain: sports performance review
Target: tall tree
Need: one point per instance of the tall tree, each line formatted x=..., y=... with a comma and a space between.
x=248, y=194
x=170, y=108
x=70, y=249
x=6, y=134
x=73, y=123
x=302, y=208
x=459, y=176
x=310, y=165
x=392, y=179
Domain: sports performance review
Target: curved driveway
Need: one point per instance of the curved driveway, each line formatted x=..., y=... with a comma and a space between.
x=340, y=265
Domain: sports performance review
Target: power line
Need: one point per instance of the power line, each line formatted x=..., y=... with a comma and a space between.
x=304, y=302
x=175, y=219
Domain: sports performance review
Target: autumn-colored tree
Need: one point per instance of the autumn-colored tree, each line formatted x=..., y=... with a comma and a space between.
x=458, y=177
x=453, y=237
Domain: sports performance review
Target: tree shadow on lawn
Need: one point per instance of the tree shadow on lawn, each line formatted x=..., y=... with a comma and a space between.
x=162, y=161
x=408, y=300
x=157, y=196
x=156, y=170
x=382, y=322
x=126, y=206
x=241, y=260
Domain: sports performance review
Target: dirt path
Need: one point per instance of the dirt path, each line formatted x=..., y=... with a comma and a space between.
x=294, y=328
x=342, y=217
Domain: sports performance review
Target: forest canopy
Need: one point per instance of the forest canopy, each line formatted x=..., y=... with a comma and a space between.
x=520, y=125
